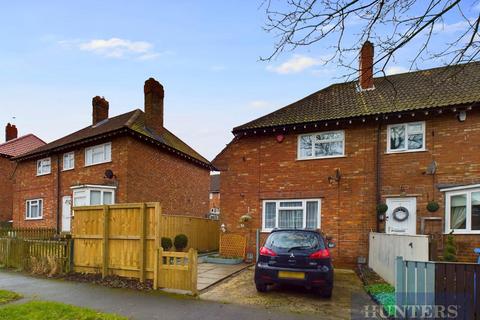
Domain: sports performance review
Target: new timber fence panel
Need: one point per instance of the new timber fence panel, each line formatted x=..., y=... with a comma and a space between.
x=177, y=270
x=123, y=239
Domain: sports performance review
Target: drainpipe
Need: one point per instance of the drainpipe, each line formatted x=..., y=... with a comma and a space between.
x=378, y=172
x=58, y=194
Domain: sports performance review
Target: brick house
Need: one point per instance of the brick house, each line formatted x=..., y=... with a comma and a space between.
x=12, y=147
x=327, y=160
x=215, y=195
x=124, y=159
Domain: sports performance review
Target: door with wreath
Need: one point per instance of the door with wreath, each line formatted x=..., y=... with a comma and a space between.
x=401, y=216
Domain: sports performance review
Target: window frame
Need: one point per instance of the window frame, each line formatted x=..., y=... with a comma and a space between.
x=28, y=205
x=405, y=149
x=72, y=153
x=314, y=137
x=88, y=191
x=468, y=223
x=106, y=158
x=303, y=207
x=40, y=173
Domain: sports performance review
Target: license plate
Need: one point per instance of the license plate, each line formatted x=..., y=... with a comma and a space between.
x=291, y=275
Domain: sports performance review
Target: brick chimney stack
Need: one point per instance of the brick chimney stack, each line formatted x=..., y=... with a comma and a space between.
x=11, y=132
x=366, y=66
x=154, y=95
x=99, y=109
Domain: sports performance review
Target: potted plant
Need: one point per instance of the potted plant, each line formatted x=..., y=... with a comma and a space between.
x=166, y=243
x=433, y=206
x=245, y=218
x=180, y=242
x=450, y=250
x=381, y=209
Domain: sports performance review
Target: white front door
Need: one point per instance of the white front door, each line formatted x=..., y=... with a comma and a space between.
x=66, y=213
x=401, y=216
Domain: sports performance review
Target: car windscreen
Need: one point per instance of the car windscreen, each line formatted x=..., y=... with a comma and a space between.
x=298, y=240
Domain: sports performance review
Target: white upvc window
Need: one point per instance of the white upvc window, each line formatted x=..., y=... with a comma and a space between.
x=93, y=195
x=68, y=161
x=321, y=145
x=291, y=214
x=98, y=154
x=462, y=211
x=406, y=137
x=34, y=209
x=44, y=166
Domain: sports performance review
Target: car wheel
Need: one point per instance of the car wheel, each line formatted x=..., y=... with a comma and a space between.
x=325, y=292
x=261, y=287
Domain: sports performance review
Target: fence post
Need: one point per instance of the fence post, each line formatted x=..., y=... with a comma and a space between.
x=399, y=281
x=8, y=253
x=106, y=218
x=192, y=261
x=141, y=253
x=158, y=261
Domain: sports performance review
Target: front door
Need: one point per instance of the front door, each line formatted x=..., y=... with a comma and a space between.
x=401, y=216
x=66, y=213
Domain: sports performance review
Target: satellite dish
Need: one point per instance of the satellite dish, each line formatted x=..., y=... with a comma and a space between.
x=109, y=174
x=432, y=168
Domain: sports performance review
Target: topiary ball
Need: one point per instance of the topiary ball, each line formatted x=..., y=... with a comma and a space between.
x=382, y=208
x=166, y=243
x=432, y=206
x=180, y=241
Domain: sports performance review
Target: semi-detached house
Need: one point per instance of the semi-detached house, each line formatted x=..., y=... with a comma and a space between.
x=327, y=160
x=128, y=158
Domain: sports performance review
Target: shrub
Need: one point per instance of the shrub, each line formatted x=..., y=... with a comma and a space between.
x=450, y=250
x=382, y=208
x=432, y=206
x=180, y=241
x=166, y=243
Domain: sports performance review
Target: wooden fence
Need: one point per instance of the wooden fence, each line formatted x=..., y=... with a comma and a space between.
x=176, y=270
x=28, y=233
x=440, y=285
x=18, y=253
x=123, y=239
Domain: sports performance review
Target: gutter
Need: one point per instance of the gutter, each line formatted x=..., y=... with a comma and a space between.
x=58, y=194
x=378, y=171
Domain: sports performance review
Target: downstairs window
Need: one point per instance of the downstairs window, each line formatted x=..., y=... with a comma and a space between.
x=291, y=214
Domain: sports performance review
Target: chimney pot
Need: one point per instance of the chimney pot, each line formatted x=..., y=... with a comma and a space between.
x=366, y=66
x=99, y=109
x=11, y=132
x=154, y=96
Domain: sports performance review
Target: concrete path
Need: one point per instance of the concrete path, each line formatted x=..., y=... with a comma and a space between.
x=209, y=273
x=134, y=304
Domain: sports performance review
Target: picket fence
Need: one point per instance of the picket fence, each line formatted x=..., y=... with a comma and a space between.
x=440, y=285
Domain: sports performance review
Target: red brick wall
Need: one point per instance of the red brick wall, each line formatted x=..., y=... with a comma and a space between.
x=255, y=168
x=180, y=186
x=6, y=184
x=143, y=174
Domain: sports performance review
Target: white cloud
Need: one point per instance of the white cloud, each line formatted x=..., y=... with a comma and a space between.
x=395, y=69
x=297, y=63
x=451, y=27
x=259, y=104
x=116, y=48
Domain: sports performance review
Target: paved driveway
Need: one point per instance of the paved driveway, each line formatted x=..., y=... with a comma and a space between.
x=209, y=273
x=348, y=296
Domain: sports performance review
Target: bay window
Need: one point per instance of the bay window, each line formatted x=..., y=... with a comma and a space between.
x=462, y=210
x=93, y=195
x=291, y=214
x=321, y=145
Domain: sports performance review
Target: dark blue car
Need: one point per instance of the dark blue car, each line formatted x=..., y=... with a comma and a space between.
x=297, y=257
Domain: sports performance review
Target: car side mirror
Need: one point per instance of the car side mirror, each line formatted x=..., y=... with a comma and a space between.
x=331, y=245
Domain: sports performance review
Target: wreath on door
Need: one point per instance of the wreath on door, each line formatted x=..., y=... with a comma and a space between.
x=400, y=214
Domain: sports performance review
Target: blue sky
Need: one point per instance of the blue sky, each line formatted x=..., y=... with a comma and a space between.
x=55, y=57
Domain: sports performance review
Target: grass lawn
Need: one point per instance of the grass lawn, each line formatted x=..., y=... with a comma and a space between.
x=7, y=296
x=42, y=310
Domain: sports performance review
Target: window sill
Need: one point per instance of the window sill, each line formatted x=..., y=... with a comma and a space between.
x=43, y=174
x=63, y=170
x=29, y=219
x=405, y=151
x=96, y=164
x=462, y=232
x=321, y=158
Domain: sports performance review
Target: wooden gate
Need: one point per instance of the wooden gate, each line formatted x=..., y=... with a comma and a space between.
x=175, y=270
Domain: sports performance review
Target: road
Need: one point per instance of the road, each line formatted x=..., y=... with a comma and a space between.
x=134, y=304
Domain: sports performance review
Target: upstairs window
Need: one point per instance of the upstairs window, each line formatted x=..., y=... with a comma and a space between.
x=321, y=145
x=34, y=209
x=406, y=137
x=44, y=166
x=68, y=161
x=98, y=154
